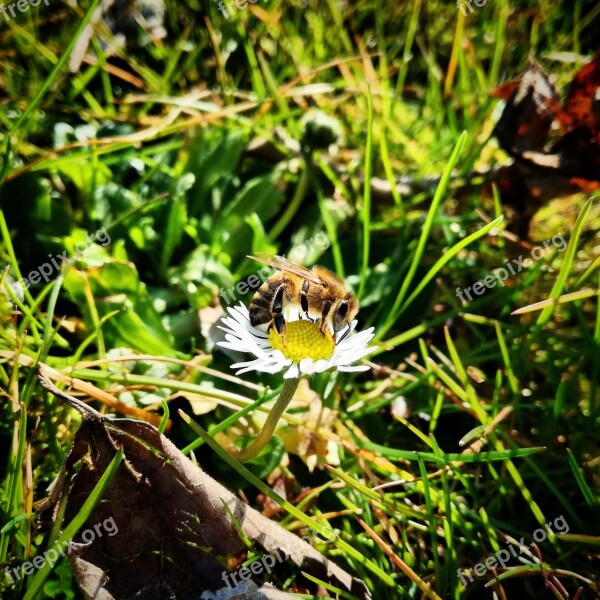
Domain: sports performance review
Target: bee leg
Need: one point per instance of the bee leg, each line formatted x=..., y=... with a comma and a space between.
x=326, y=309
x=304, y=299
x=277, y=311
x=343, y=336
x=277, y=306
x=279, y=323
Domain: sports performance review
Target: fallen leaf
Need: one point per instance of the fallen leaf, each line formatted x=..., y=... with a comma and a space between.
x=557, y=148
x=582, y=103
x=529, y=112
x=175, y=537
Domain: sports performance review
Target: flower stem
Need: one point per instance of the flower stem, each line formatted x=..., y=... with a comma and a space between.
x=265, y=434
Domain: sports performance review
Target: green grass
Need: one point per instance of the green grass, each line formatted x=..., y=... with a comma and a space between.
x=153, y=144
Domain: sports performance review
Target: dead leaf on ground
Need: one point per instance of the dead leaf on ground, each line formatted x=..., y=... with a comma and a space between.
x=529, y=112
x=536, y=129
x=175, y=539
x=557, y=147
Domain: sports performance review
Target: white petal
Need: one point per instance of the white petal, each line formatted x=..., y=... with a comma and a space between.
x=354, y=355
x=307, y=366
x=292, y=372
x=322, y=365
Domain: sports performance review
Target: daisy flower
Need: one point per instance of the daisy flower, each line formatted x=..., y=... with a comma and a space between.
x=304, y=351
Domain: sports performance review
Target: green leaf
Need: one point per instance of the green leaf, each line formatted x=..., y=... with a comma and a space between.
x=449, y=457
x=213, y=159
x=581, y=482
x=567, y=263
x=116, y=285
x=260, y=197
x=203, y=269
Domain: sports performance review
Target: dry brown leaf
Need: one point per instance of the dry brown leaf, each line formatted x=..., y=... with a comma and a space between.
x=175, y=536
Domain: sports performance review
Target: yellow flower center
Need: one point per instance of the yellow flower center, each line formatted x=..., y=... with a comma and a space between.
x=303, y=339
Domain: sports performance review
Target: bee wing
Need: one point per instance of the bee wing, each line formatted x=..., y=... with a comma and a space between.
x=283, y=264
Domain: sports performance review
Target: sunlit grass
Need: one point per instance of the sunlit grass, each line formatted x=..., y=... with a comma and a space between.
x=499, y=434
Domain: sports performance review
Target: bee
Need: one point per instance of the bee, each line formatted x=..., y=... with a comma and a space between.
x=321, y=296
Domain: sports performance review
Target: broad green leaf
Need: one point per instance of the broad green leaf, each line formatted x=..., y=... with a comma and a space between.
x=116, y=285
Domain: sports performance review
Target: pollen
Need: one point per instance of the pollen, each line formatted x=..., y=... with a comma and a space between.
x=303, y=339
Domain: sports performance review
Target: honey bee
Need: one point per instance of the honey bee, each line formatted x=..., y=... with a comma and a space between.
x=321, y=296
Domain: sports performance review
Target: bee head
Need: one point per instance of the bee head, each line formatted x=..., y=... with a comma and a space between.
x=345, y=311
